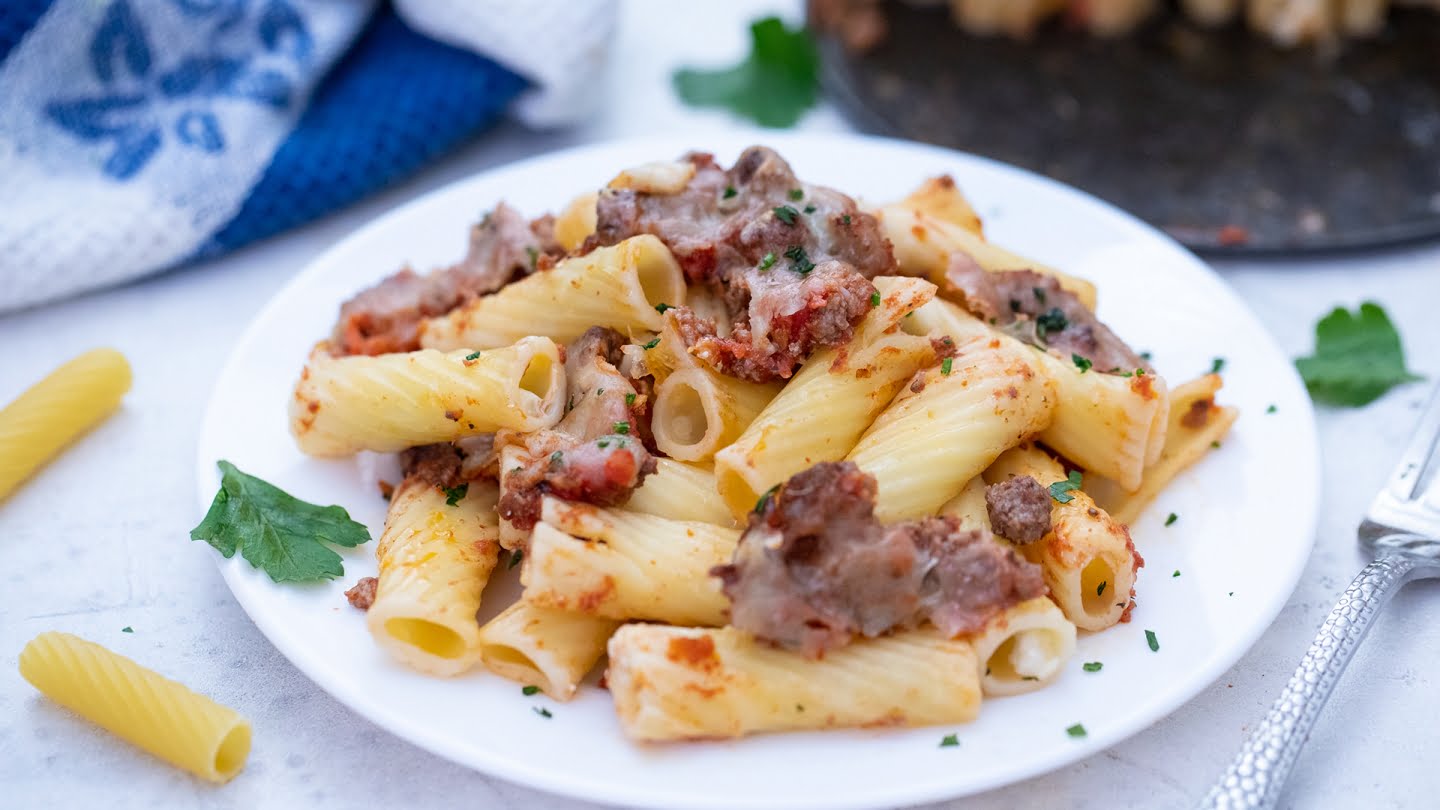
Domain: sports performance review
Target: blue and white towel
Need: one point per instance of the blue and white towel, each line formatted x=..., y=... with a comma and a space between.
x=137, y=135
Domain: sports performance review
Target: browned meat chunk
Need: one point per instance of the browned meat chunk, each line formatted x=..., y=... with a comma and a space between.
x=792, y=260
x=386, y=318
x=815, y=567
x=362, y=595
x=1019, y=509
x=594, y=454
x=1036, y=309
x=438, y=465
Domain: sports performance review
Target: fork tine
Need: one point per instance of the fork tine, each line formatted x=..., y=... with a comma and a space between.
x=1419, y=462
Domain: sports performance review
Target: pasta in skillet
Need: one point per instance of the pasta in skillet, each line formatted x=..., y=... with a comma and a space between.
x=790, y=462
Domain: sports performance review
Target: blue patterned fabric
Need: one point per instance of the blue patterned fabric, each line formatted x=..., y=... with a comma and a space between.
x=137, y=135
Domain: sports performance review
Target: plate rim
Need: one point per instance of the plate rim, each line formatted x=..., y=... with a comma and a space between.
x=551, y=780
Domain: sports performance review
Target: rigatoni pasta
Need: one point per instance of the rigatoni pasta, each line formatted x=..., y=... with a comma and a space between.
x=546, y=648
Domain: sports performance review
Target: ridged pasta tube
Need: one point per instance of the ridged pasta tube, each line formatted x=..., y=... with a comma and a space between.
x=543, y=647
x=144, y=708
x=623, y=565
x=435, y=559
x=680, y=491
x=619, y=287
x=575, y=223
x=927, y=444
x=697, y=411
x=835, y=396
x=1024, y=648
x=343, y=405
x=680, y=683
x=970, y=507
x=55, y=411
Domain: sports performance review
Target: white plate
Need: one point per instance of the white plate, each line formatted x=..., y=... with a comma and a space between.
x=1245, y=527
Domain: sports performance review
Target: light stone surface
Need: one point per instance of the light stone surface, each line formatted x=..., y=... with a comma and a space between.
x=98, y=541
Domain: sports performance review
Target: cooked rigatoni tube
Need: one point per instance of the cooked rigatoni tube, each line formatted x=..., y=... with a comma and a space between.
x=828, y=404
x=542, y=647
x=144, y=708
x=576, y=222
x=1088, y=560
x=969, y=506
x=55, y=411
x=1024, y=648
x=680, y=491
x=942, y=432
x=623, y=565
x=680, y=683
x=1106, y=423
x=940, y=198
x=618, y=287
x=1196, y=426
x=924, y=244
x=343, y=405
x=1013, y=18
x=697, y=411
x=436, y=555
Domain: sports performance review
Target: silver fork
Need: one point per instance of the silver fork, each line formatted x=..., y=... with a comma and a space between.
x=1402, y=530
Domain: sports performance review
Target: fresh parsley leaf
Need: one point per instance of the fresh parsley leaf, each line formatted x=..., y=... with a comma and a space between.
x=773, y=87
x=274, y=531
x=660, y=308
x=1357, y=357
x=767, y=262
x=542, y=711
x=527, y=691
x=796, y=254
x=810, y=209
x=786, y=214
x=652, y=344
x=947, y=364
x=949, y=741
x=1217, y=364
x=534, y=256
x=1176, y=574
x=630, y=398
x=1152, y=641
x=1215, y=445
x=472, y=357
x=1060, y=490
x=845, y=219
x=453, y=495
x=797, y=194
x=1272, y=408
x=729, y=192
x=1100, y=589
x=1052, y=321
x=765, y=498
x=127, y=629
x=1170, y=521
x=1093, y=666
x=1077, y=730
x=875, y=299
x=621, y=427
x=515, y=557
x=1082, y=363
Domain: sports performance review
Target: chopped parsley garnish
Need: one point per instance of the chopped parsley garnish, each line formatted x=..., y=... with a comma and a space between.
x=809, y=209
x=875, y=299
x=1060, y=490
x=845, y=219
x=797, y=194
x=276, y=532
x=453, y=495
x=773, y=86
x=765, y=498
x=1358, y=357
x=527, y=691
x=534, y=256
x=630, y=398
x=946, y=365
x=1093, y=666
x=1217, y=364
x=949, y=741
x=556, y=457
x=1145, y=356
x=1039, y=295
x=1052, y=321
x=542, y=711
x=1077, y=730
x=515, y=557
x=1176, y=574
x=796, y=254
x=785, y=214
x=1082, y=363
x=652, y=344
x=1100, y=589
x=767, y=262
x=660, y=308
x=621, y=427
x=1170, y=521
x=127, y=629
x=729, y=192
x=1152, y=641
x=598, y=391
x=1215, y=445
x=472, y=357
x=1272, y=408
x=1232, y=593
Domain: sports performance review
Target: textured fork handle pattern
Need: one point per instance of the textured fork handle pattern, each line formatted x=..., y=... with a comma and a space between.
x=1257, y=774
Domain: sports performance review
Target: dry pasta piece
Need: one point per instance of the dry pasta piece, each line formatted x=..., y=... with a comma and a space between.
x=1024, y=648
x=435, y=559
x=162, y=716
x=343, y=405
x=57, y=410
x=680, y=683
x=543, y=647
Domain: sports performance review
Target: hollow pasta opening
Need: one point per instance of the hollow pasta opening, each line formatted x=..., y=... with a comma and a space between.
x=538, y=377
x=1025, y=654
x=659, y=278
x=1097, y=587
x=435, y=639
x=504, y=654
x=234, y=748
x=736, y=491
x=680, y=414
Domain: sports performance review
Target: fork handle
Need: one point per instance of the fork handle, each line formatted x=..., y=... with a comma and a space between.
x=1256, y=775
